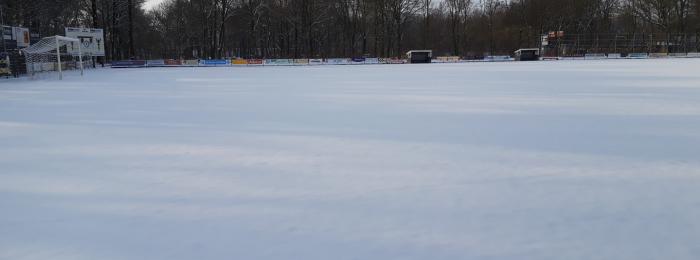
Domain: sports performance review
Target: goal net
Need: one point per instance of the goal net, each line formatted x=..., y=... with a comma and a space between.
x=51, y=54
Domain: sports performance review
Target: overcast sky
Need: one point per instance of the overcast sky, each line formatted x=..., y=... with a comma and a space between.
x=151, y=3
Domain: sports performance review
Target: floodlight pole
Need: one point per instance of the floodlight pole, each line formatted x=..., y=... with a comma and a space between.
x=80, y=57
x=58, y=56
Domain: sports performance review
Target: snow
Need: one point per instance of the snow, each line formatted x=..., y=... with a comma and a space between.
x=532, y=160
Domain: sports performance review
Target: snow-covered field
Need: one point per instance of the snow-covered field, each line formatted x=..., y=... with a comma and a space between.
x=540, y=160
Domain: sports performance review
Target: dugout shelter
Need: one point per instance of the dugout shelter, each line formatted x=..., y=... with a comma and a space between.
x=419, y=56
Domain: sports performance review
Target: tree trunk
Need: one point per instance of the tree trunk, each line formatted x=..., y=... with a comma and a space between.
x=130, y=6
x=94, y=13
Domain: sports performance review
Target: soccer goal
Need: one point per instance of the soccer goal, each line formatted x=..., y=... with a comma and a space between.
x=51, y=54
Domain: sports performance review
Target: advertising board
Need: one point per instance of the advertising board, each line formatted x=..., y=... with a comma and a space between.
x=239, y=62
x=337, y=61
x=315, y=61
x=129, y=64
x=372, y=61
x=255, y=62
x=91, y=40
x=155, y=63
x=191, y=63
x=172, y=62
x=214, y=63
x=301, y=61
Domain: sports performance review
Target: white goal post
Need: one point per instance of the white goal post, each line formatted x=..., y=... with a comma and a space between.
x=46, y=55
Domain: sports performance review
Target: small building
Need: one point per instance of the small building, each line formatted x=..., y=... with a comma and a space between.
x=527, y=54
x=419, y=56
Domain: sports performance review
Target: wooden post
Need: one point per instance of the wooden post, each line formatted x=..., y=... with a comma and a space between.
x=80, y=57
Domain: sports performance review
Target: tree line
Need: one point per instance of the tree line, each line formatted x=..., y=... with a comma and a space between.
x=347, y=28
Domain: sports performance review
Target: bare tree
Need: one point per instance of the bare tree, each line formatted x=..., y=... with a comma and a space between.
x=326, y=28
x=490, y=9
x=401, y=12
x=457, y=13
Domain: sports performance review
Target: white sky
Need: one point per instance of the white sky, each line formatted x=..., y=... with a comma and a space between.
x=151, y=3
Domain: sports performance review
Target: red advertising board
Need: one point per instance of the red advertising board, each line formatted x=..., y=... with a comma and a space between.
x=255, y=61
x=171, y=62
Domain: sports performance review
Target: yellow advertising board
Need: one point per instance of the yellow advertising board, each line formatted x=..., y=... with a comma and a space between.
x=5, y=66
x=239, y=62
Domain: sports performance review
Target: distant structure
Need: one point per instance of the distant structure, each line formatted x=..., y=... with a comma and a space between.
x=527, y=54
x=561, y=44
x=419, y=56
x=13, y=39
